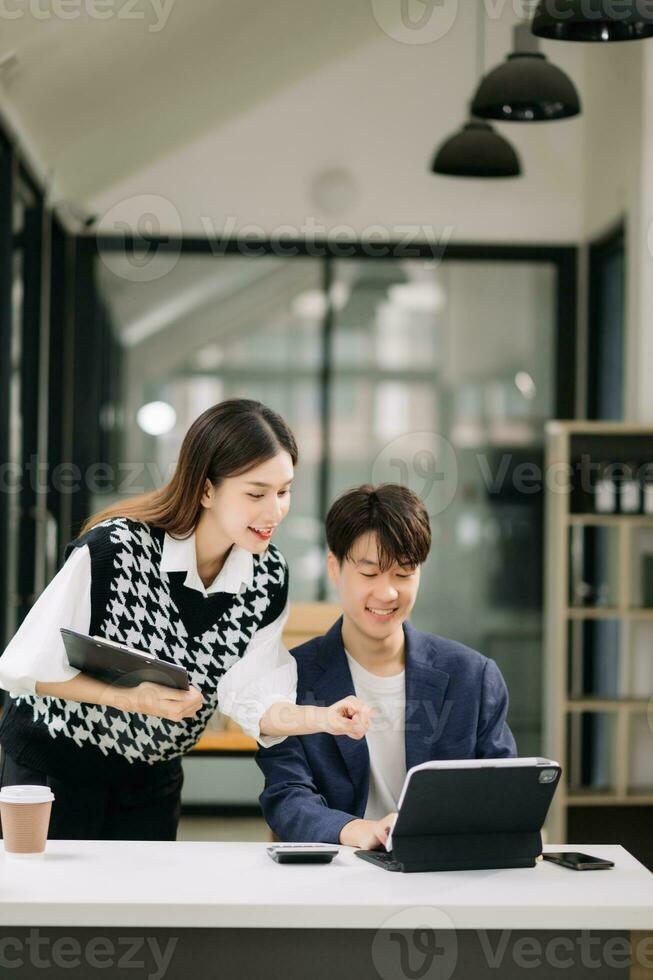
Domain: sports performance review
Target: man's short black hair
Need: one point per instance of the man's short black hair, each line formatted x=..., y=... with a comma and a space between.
x=394, y=513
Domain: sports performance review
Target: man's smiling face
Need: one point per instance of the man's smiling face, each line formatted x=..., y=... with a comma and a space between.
x=376, y=600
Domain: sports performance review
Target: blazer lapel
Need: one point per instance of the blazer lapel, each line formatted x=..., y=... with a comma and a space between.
x=426, y=708
x=335, y=684
x=426, y=705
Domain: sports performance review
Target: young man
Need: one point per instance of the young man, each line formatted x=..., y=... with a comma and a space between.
x=433, y=698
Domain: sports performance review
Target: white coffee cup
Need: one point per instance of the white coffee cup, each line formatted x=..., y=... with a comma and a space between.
x=25, y=812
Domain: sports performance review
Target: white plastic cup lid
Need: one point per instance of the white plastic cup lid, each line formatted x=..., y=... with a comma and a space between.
x=26, y=794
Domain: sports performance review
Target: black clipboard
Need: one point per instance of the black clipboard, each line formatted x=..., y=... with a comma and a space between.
x=116, y=663
x=468, y=815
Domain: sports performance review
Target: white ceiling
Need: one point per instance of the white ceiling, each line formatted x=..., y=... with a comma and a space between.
x=226, y=113
x=100, y=99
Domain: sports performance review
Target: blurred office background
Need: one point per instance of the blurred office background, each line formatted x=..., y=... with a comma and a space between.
x=239, y=201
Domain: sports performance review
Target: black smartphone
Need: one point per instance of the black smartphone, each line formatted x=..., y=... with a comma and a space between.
x=577, y=861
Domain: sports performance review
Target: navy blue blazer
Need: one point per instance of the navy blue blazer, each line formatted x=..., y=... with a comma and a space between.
x=456, y=706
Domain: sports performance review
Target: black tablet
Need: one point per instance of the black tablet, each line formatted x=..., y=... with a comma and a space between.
x=470, y=814
x=116, y=663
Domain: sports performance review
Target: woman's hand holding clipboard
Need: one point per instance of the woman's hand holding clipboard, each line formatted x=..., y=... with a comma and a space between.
x=148, y=698
x=140, y=682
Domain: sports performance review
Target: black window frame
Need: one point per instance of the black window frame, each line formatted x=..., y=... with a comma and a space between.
x=602, y=249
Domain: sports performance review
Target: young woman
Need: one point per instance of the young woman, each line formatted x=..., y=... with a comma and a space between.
x=188, y=573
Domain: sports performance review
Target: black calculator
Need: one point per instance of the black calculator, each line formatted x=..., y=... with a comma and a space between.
x=302, y=853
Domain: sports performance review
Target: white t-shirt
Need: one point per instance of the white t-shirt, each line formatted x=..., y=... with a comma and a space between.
x=385, y=738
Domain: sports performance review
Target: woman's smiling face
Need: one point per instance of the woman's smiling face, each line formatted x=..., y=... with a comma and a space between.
x=246, y=509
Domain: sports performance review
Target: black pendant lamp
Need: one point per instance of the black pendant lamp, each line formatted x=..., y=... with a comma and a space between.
x=527, y=87
x=477, y=150
x=593, y=20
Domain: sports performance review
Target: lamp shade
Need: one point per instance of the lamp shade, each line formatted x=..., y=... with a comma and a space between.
x=476, y=150
x=526, y=88
x=593, y=20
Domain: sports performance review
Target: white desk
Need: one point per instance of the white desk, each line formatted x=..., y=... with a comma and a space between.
x=220, y=889
x=224, y=885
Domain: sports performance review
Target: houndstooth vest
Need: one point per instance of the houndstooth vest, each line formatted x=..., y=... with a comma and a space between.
x=133, y=602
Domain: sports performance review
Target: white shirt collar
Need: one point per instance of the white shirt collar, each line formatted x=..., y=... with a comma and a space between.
x=179, y=555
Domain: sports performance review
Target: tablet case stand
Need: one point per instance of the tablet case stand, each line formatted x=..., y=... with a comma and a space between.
x=470, y=819
x=466, y=852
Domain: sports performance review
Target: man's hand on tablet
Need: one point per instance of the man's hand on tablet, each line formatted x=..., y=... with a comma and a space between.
x=368, y=835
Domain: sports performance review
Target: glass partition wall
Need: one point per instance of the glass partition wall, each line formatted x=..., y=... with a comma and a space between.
x=14, y=455
x=443, y=378
x=24, y=272
x=210, y=330
x=434, y=373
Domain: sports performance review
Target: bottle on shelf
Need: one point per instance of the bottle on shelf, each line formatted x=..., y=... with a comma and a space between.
x=603, y=594
x=647, y=489
x=630, y=496
x=605, y=491
x=582, y=594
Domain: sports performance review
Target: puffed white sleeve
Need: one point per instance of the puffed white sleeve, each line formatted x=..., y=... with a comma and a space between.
x=265, y=675
x=37, y=652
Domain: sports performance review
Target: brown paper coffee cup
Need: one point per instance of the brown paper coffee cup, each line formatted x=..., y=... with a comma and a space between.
x=25, y=814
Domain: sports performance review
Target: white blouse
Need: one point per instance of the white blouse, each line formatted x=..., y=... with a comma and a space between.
x=265, y=675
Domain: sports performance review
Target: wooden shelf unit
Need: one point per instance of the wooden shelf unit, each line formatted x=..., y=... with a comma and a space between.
x=559, y=706
x=610, y=520
x=608, y=612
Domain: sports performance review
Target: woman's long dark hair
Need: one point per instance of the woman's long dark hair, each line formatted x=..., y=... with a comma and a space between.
x=226, y=440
